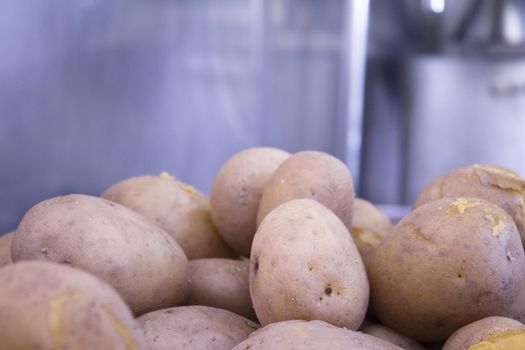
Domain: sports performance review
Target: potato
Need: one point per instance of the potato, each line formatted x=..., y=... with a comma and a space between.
x=495, y=184
x=221, y=283
x=304, y=265
x=45, y=305
x=141, y=261
x=483, y=331
x=369, y=226
x=313, y=175
x=517, y=311
x=195, y=327
x=391, y=336
x=446, y=264
x=237, y=191
x=5, y=248
x=314, y=335
x=179, y=209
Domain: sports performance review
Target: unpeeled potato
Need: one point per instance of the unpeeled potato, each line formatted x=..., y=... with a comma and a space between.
x=486, y=334
x=391, y=336
x=195, y=327
x=369, y=226
x=177, y=208
x=311, y=175
x=141, y=261
x=48, y=306
x=305, y=265
x=237, y=191
x=446, y=264
x=492, y=183
x=221, y=283
x=311, y=335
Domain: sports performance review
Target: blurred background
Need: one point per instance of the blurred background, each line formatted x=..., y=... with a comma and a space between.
x=94, y=91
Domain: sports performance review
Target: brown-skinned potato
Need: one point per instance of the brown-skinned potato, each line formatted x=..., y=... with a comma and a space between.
x=177, y=208
x=221, y=283
x=49, y=306
x=311, y=175
x=492, y=183
x=304, y=265
x=446, y=264
x=195, y=327
x=141, y=261
x=237, y=191
x=311, y=335
x=473, y=333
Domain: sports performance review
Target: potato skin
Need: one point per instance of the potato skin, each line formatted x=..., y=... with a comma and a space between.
x=446, y=264
x=5, y=248
x=195, y=327
x=311, y=335
x=314, y=175
x=369, y=226
x=304, y=265
x=141, y=261
x=391, y=336
x=517, y=311
x=237, y=191
x=495, y=184
x=45, y=305
x=475, y=332
x=177, y=208
x=221, y=283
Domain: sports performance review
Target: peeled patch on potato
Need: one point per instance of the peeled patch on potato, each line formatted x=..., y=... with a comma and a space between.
x=312, y=175
x=448, y=263
x=195, y=327
x=493, y=333
x=141, y=261
x=45, y=305
x=176, y=207
x=221, y=283
x=391, y=336
x=237, y=191
x=495, y=184
x=304, y=265
x=311, y=335
x=5, y=248
x=369, y=226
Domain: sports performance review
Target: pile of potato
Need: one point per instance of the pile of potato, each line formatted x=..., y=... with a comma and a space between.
x=282, y=256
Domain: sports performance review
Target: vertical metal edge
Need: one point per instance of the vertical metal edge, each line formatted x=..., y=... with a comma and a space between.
x=353, y=67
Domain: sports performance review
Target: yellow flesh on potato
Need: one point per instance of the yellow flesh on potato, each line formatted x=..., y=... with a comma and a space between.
x=511, y=340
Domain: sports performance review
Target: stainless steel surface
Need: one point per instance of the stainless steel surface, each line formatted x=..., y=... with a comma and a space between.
x=463, y=111
x=96, y=91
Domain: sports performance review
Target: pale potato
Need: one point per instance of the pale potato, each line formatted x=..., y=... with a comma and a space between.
x=237, y=191
x=311, y=335
x=391, y=336
x=48, y=306
x=141, y=261
x=517, y=311
x=485, y=330
x=195, y=327
x=176, y=207
x=221, y=283
x=492, y=183
x=305, y=265
x=446, y=264
x=369, y=226
x=314, y=175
